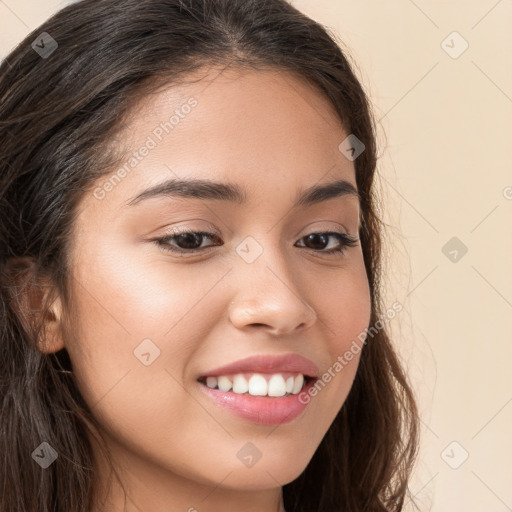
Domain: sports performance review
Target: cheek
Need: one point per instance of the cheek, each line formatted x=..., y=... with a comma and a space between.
x=131, y=314
x=342, y=302
x=137, y=322
x=139, y=297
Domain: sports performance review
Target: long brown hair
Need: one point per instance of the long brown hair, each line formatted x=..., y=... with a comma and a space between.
x=62, y=103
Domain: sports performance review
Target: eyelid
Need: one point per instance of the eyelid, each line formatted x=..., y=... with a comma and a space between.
x=187, y=227
x=176, y=230
x=344, y=238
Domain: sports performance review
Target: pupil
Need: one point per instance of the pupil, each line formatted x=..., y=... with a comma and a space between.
x=315, y=236
x=189, y=238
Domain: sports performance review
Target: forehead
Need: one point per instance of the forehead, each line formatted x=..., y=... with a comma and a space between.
x=237, y=91
x=268, y=130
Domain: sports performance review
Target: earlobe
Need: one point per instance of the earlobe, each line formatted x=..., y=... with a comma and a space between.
x=28, y=295
x=53, y=339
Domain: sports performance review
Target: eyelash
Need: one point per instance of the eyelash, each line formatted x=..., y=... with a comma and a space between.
x=346, y=241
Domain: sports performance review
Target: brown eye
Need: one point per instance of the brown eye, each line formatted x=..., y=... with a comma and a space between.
x=318, y=241
x=189, y=241
x=185, y=241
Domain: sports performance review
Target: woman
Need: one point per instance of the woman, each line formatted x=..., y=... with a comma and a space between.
x=190, y=265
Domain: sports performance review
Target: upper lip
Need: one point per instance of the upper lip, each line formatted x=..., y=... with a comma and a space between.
x=292, y=363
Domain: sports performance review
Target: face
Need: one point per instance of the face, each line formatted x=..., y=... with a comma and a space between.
x=152, y=317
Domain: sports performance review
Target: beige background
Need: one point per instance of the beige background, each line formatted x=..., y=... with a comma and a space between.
x=445, y=134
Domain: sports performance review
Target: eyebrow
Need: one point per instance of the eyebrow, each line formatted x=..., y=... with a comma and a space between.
x=205, y=189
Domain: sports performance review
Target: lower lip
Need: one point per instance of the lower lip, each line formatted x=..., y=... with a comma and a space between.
x=263, y=410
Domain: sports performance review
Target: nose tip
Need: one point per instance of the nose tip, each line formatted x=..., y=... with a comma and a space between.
x=271, y=296
x=287, y=316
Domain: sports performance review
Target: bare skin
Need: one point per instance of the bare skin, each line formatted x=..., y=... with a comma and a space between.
x=174, y=447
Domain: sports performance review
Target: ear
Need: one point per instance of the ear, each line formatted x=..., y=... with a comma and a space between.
x=30, y=292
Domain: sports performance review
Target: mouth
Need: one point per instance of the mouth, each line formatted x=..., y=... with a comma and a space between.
x=259, y=398
x=258, y=383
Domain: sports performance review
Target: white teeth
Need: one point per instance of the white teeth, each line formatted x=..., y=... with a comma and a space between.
x=276, y=386
x=240, y=384
x=258, y=384
x=299, y=380
x=289, y=384
x=224, y=383
x=211, y=382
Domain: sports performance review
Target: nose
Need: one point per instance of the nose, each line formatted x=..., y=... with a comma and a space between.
x=269, y=298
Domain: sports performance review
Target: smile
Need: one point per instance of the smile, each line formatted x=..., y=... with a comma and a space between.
x=257, y=403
